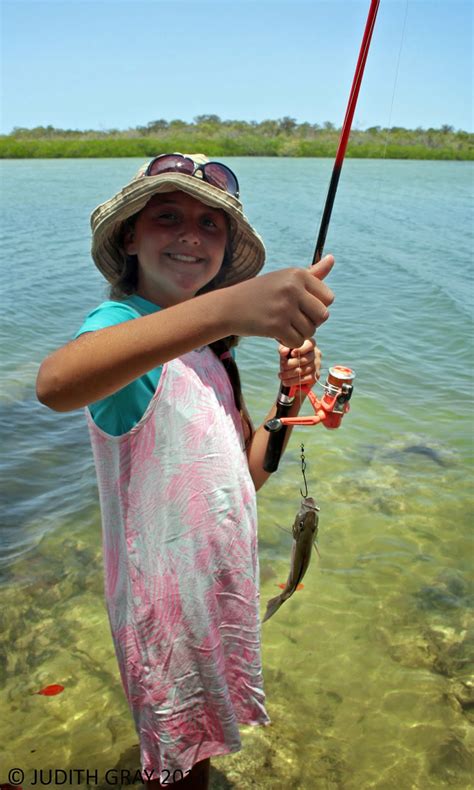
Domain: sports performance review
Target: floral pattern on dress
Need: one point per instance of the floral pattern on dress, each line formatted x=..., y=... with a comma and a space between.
x=181, y=567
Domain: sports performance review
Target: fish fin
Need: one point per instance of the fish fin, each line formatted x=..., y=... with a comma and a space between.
x=283, y=587
x=316, y=547
x=272, y=606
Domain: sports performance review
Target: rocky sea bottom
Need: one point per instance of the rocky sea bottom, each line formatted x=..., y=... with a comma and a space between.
x=368, y=669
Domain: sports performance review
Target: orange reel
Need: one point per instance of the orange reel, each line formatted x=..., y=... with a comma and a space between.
x=330, y=409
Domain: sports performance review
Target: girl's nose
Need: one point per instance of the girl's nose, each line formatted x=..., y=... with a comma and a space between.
x=189, y=235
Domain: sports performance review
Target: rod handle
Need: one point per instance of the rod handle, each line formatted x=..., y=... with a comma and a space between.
x=276, y=439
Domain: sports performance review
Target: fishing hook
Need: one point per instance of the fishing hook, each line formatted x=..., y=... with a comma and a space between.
x=303, y=470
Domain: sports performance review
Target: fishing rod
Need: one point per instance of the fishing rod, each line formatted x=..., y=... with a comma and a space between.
x=285, y=396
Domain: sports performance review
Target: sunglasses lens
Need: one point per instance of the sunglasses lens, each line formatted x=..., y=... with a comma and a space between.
x=170, y=163
x=221, y=177
x=214, y=173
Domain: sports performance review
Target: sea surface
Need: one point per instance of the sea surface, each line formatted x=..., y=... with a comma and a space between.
x=368, y=669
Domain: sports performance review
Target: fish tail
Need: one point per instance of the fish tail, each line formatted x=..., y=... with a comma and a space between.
x=272, y=606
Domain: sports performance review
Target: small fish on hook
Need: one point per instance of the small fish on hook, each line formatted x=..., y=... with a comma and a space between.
x=305, y=531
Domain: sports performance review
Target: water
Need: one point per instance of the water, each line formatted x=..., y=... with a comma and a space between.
x=367, y=669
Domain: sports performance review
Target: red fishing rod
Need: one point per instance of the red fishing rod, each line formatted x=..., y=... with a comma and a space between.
x=285, y=397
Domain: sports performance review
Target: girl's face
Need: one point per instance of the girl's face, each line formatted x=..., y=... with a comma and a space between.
x=180, y=245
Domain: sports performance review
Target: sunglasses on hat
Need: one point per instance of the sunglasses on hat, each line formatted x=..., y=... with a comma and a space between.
x=214, y=173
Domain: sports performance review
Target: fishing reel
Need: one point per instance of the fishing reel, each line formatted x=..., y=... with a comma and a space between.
x=330, y=409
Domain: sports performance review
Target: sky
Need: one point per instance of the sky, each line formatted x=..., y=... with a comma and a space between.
x=104, y=64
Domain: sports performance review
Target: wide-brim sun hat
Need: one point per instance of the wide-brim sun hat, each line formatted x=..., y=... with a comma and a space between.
x=247, y=251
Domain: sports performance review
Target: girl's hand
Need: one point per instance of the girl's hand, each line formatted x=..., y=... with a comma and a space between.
x=302, y=367
x=288, y=304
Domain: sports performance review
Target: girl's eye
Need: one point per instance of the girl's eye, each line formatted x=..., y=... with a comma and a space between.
x=213, y=223
x=167, y=216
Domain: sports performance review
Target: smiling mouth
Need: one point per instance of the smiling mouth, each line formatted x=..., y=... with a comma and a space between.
x=184, y=258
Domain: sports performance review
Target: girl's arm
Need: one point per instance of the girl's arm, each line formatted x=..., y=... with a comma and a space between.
x=99, y=363
x=301, y=368
x=288, y=305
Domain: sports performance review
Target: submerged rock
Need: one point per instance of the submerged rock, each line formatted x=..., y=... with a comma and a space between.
x=452, y=650
x=411, y=448
x=451, y=759
x=441, y=649
x=437, y=633
x=449, y=591
x=460, y=696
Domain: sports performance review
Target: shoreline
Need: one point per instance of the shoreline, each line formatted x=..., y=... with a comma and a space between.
x=147, y=147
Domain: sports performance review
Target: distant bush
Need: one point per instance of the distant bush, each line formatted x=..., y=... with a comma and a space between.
x=283, y=137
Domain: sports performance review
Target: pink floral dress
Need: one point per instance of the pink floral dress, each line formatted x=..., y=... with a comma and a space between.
x=181, y=567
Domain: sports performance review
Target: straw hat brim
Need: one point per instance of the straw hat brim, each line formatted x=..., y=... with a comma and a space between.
x=248, y=251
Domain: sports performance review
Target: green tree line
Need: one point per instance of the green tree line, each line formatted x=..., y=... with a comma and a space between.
x=281, y=137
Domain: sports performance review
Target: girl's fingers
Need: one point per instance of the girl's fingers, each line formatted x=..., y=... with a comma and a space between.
x=298, y=362
x=296, y=378
x=323, y=267
x=299, y=358
x=305, y=372
x=306, y=348
x=298, y=381
x=302, y=366
x=288, y=304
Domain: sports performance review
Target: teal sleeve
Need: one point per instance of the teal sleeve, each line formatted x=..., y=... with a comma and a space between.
x=119, y=412
x=107, y=314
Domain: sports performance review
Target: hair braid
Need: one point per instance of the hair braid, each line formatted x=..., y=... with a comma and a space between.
x=221, y=349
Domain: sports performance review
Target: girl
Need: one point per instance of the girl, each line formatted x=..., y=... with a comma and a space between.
x=178, y=461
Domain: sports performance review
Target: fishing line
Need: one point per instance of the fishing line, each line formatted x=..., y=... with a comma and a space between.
x=302, y=456
x=388, y=135
x=397, y=69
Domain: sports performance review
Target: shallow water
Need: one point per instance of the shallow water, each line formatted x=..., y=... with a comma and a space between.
x=368, y=669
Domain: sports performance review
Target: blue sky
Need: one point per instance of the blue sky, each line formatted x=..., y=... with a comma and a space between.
x=121, y=63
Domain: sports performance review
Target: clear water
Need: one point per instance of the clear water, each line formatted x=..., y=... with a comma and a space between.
x=368, y=669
